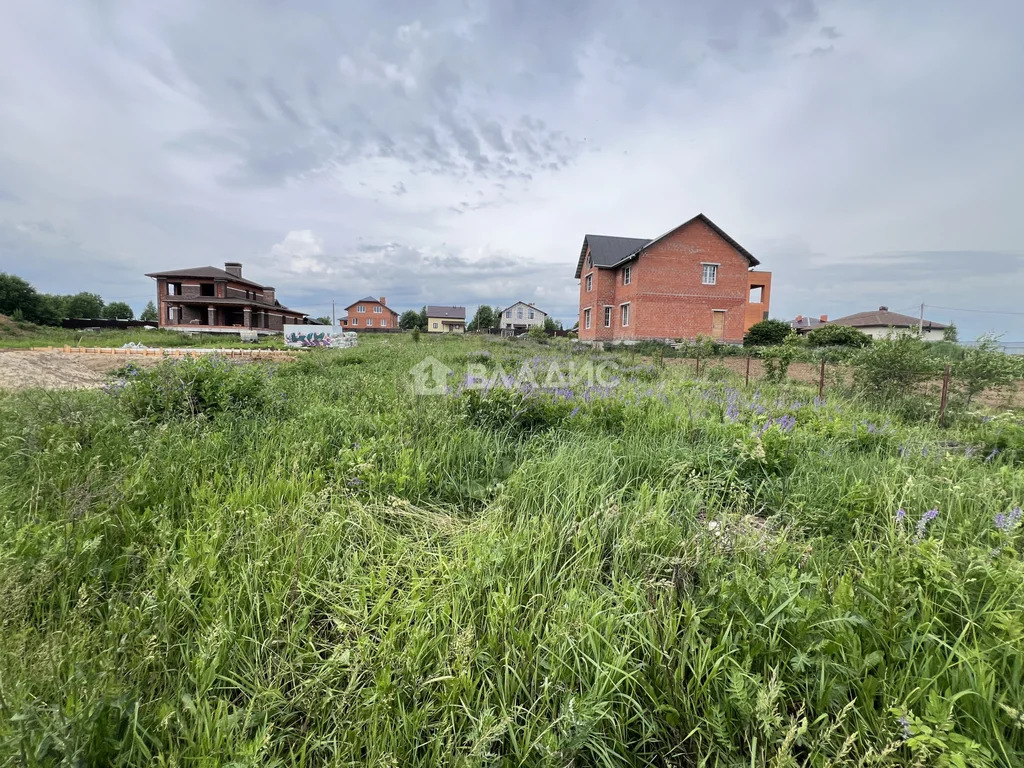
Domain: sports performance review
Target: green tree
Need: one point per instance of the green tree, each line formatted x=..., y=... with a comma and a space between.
x=87, y=305
x=118, y=310
x=409, y=319
x=18, y=295
x=767, y=333
x=949, y=333
x=483, y=320
x=423, y=319
x=324, y=320
x=837, y=336
x=550, y=325
x=149, y=314
x=51, y=309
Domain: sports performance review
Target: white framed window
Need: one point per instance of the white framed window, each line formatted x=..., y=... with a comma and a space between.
x=369, y=322
x=709, y=274
x=625, y=315
x=378, y=309
x=608, y=317
x=586, y=318
x=355, y=321
x=519, y=314
x=590, y=282
x=435, y=325
x=627, y=274
x=361, y=308
x=383, y=323
x=508, y=314
x=531, y=314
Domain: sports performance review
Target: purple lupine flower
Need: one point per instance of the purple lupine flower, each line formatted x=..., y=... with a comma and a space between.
x=904, y=722
x=1007, y=522
x=922, y=524
x=574, y=411
x=901, y=515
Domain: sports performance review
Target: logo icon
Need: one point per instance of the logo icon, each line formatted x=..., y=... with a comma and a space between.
x=430, y=377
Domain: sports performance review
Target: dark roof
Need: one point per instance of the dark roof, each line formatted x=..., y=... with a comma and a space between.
x=370, y=299
x=209, y=273
x=525, y=304
x=606, y=250
x=883, y=318
x=446, y=313
x=803, y=322
x=232, y=301
x=609, y=252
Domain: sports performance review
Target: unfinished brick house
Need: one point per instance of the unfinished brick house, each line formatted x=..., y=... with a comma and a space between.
x=692, y=281
x=216, y=300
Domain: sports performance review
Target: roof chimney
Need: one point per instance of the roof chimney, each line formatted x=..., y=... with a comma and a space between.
x=823, y=318
x=233, y=268
x=799, y=319
x=883, y=309
x=383, y=301
x=269, y=294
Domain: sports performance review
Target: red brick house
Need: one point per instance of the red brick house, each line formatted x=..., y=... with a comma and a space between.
x=216, y=300
x=692, y=281
x=370, y=313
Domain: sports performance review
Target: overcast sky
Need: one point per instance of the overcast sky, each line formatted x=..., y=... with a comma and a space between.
x=866, y=152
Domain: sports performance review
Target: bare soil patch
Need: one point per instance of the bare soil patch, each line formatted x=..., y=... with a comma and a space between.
x=20, y=369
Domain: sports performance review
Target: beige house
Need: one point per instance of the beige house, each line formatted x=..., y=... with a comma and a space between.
x=519, y=318
x=446, y=319
x=880, y=323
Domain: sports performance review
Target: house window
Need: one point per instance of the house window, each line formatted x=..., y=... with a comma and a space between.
x=170, y=314
x=607, y=317
x=508, y=314
x=174, y=289
x=625, y=315
x=627, y=275
x=519, y=313
x=586, y=318
x=355, y=321
x=435, y=325
x=383, y=323
x=531, y=314
x=361, y=308
x=590, y=282
x=207, y=289
x=378, y=309
x=369, y=322
x=709, y=274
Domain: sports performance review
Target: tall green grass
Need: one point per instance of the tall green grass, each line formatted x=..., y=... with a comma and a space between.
x=337, y=572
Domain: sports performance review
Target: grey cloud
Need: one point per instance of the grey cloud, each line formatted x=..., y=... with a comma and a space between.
x=830, y=33
x=399, y=188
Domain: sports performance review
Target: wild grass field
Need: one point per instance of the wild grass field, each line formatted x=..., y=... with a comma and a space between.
x=307, y=564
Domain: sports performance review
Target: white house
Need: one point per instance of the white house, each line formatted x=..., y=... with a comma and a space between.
x=519, y=318
x=879, y=323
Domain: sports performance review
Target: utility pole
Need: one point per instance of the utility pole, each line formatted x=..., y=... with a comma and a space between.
x=920, y=321
x=334, y=316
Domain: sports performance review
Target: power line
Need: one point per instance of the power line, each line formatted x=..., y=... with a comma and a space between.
x=982, y=311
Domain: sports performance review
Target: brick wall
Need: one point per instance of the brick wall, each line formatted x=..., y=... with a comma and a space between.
x=666, y=294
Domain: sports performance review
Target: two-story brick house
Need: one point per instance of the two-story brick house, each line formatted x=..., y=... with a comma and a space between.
x=692, y=281
x=216, y=300
x=370, y=313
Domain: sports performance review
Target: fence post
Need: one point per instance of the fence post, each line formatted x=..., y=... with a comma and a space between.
x=746, y=382
x=698, y=364
x=821, y=381
x=945, y=395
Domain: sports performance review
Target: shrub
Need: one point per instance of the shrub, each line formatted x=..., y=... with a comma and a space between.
x=778, y=358
x=837, y=336
x=415, y=335
x=537, y=334
x=191, y=387
x=767, y=333
x=983, y=366
x=890, y=372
